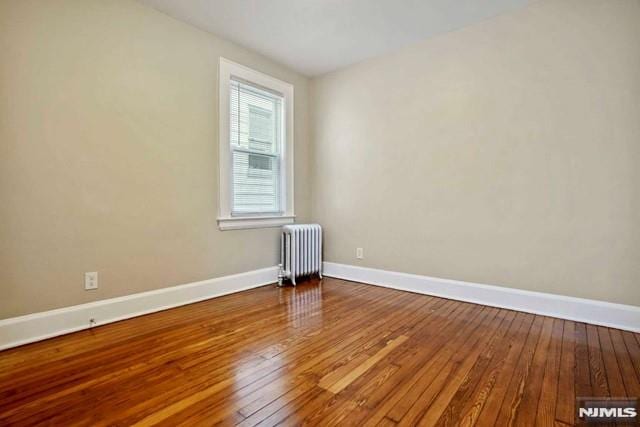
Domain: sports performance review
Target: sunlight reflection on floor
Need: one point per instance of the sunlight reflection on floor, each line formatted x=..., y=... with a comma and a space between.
x=303, y=303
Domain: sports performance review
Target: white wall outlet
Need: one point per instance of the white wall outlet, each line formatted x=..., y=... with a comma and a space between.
x=359, y=253
x=91, y=280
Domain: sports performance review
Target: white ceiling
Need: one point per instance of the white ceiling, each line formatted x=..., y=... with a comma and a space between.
x=317, y=36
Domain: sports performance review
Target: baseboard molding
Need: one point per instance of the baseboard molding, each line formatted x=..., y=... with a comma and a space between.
x=21, y=330
x=38, y=326
x=602, y=313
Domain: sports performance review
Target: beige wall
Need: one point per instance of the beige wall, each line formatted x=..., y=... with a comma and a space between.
x=108, y=153
x=506, y=153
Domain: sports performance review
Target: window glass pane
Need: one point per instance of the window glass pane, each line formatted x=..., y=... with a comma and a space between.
x=255, y=178
x=256, y=132
x=259, y=163
x=255, y=118
x=261, y=129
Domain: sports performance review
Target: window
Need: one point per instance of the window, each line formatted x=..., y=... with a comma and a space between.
x=255, y=139
x=256, y=149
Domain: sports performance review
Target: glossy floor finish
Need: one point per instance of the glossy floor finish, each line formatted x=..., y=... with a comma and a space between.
x=325, y=353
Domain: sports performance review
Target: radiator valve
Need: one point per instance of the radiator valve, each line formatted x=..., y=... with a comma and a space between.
x=281, y=275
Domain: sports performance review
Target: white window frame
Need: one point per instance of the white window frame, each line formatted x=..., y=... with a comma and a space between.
x=227, y=221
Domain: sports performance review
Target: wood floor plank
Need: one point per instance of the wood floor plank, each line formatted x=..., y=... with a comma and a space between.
x=504, y=374
x=546, y=408
x=359, y=369
x=465, y=392
x=599, y=383
x=582, y=370
x=324, y=408
x=566, y=395
x=633, y=348
x=326, y=364
x=439, y=391
x=612, y=369
x=513, y=397
x=462, y=370
x=226, y=349
x=400, y=399
x=530, y=395
x=437, y=331
x=499, y=363
x=349, y=346
x=629, y=375
x=310, y=359
x=328, y=352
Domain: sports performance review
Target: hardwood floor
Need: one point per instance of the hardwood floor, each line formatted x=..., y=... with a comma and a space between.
x=324, y=353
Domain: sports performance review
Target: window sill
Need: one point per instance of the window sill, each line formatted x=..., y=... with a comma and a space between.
x=239, y=223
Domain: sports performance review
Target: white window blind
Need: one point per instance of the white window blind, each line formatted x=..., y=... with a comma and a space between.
x=256, y=132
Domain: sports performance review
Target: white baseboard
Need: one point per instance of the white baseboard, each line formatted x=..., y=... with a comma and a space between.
x=38, y=326
x=602, y=313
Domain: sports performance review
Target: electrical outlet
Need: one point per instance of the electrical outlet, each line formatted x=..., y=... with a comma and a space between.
x=359, y=253
x=91, y=280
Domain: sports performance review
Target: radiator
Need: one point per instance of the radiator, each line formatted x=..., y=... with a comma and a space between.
x=301, y=251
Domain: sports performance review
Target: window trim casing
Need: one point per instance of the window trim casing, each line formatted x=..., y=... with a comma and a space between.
x=227, y=221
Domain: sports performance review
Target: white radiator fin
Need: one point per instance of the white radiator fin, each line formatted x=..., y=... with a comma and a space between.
x=301, y=250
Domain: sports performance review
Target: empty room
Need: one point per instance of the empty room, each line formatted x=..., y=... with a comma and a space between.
x=319, y=212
